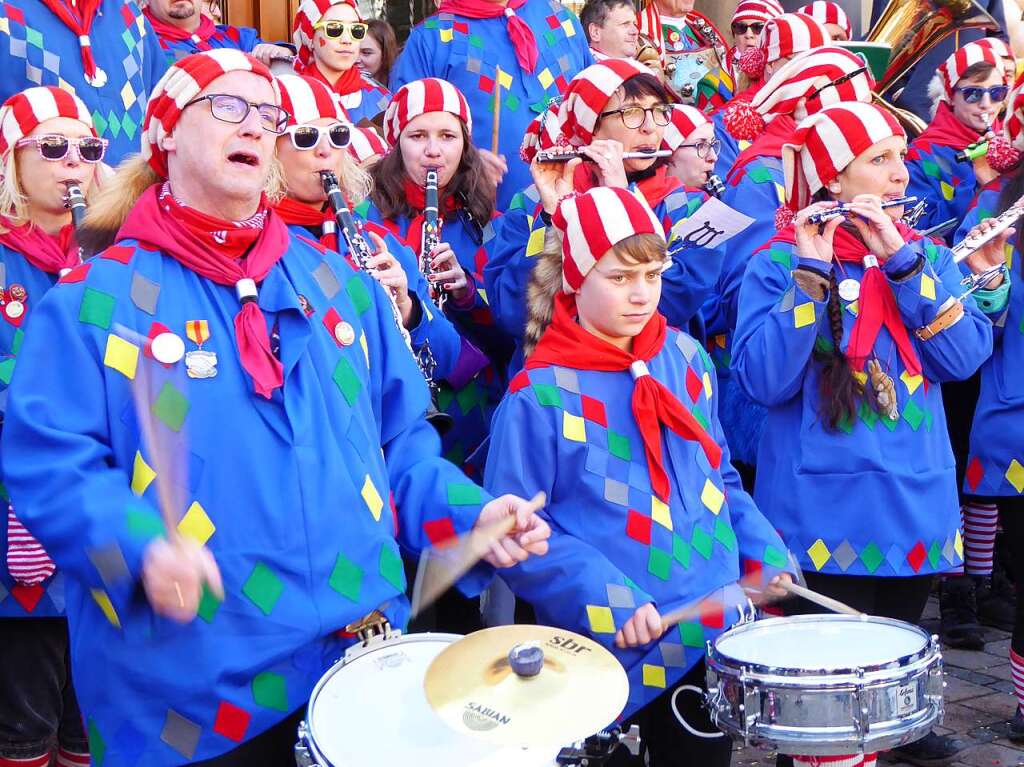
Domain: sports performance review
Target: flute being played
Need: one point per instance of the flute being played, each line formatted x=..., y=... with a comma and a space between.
x=843, y=209
x=565, y=154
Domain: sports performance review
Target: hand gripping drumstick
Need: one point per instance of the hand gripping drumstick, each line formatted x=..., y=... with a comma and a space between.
x=440, y=566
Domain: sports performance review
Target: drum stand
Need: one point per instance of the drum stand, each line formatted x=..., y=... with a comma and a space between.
x=595, y=750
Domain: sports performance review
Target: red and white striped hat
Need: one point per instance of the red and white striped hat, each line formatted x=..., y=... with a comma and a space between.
x=801, y=87
x=756, y=10
x=308, y=100
x=180, y=84
x=366, y=143
x=24, y=111
x=589, y=93
x=998, y=46
x=593, y=223
x=792, y=33
x=953, y=68
x=431, y=94
x=685, y=120
x=541, y=133
x=828, y=13
x=310, y=12
x=825, y=143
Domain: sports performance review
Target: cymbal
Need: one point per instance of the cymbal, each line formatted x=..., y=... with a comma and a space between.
x=580, y=687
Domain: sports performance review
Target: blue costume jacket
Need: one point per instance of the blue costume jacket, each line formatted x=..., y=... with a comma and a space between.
x=36, y=48
x=616, y=546
x=947, y=184
x=226, y=36
x=876, y=496
x=469, y=52
x=302, y=499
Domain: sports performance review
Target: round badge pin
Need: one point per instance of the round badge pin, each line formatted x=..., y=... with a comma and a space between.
x=345, y=333
x=14, y=309
x=168, y=348
x=849, y=290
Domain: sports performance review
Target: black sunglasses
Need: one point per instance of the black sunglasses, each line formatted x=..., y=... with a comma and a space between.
x=740, y=27
x=308, y=136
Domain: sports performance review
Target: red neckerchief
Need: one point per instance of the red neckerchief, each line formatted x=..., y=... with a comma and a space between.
x=293, y=212
x=416, y=197
x=566, y=344
x=204, y=32
x=78, y=18
x=350, y=81
x=768, y=144
x=182, y=233
x=523, y=41
x=876, y=303
x=654, y=188
x=45, y=252
x=946, y=130
x=747, y=94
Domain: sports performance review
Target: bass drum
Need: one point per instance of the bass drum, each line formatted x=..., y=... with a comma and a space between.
x=370, y=708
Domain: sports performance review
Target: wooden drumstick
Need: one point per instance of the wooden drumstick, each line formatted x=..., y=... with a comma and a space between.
x=497, y=111
x=819, y=599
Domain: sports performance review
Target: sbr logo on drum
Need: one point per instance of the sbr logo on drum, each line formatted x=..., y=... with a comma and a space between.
x=480, y=718
x=567, y=644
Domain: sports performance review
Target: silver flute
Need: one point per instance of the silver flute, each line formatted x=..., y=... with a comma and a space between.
x=843, y=209
x=973, y=243
x=564, y=154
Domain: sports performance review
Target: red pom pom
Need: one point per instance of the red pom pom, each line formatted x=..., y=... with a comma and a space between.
x=743, y=121
x=1002, y=157
x=752, y=62
x=783, y=217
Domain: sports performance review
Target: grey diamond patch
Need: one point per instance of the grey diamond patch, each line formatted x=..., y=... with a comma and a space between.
x=620, y=596
x=33, y=74
x=327, y=281
x=567, y=379
x=788, y=300
x=109, y=562
x=844, y=555
x=473, y=65
x=672, y=654
x=180, y=734
x=3, y=592
x=51, y=62
x=949, y=551
x=130, y=65
x=616, y=492
x=686, y=345
x=144, y=293
x=18, y=48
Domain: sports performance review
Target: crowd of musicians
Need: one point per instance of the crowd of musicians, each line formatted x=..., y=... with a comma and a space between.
x=332, y=304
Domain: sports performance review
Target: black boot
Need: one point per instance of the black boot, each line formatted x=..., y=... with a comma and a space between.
x=996, y=597
x=1016, y=729
x=959, y=614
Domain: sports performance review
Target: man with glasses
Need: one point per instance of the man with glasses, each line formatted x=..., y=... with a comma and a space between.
x=104, y=51
x=184, y=29
x=510, y=60
x=610, y=26
x=212, y=564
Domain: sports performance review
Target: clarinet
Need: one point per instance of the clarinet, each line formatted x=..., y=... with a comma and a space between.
x=74, y=201
x=714, y=186
x=431, y=236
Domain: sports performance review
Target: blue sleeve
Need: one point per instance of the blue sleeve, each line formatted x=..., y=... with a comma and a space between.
x=775, y=330
x=414, y=62
x=519, y=236
x=573, y=578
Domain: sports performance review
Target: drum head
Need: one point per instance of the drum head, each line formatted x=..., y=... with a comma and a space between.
x=372, y=710
x=821, y=642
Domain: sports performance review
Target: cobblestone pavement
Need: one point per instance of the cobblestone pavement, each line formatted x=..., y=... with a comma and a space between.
x=979, y=701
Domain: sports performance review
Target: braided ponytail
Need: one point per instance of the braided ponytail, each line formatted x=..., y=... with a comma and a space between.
x=839, y=391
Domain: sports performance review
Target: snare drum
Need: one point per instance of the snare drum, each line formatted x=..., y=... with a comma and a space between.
x=825, y=684
x=370, y=708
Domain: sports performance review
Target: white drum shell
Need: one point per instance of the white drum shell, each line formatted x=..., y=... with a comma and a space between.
x=872, y=704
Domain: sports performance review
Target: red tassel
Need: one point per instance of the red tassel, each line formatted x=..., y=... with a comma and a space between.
x=743, y=121
x=1002, y=156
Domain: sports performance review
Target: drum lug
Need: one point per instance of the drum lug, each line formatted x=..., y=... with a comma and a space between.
x=861, y=714
x=302, y=755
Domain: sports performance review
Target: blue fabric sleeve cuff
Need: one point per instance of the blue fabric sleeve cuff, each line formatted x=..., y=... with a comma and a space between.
x=815, y=265
x=902, y=261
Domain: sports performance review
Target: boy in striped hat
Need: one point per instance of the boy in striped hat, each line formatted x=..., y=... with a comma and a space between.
x=832, y=16
x=648, y=513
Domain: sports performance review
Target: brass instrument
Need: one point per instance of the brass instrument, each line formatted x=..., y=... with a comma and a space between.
x=431, y=236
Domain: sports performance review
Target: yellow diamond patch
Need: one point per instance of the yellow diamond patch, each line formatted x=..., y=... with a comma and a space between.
x=860, y=376
x=819, y=553
x=947, y=190
x=958, y=545
x=803, y=315
x=660, y=513
x=127, y=95
x=927, y=287
x=372, y=498
x=654, y=676
x=196, y=524
x=601, y=620
x=573, y=428
x=446, y=35
x=1015, y=475
x=570, y=31
x=545, y=79
x=106, y=606
x=707, y=384
x=504, y=78
x=142, y=474
x=535, y=245
x=365, y=347
x=911, y=382
x=712, y=497
x=122, y=356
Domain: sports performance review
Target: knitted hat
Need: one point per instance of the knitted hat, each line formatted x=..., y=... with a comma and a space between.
x=806, y=77
x=685, y=120
x=828, y=13
x=180, y=84
x=366, y=143
x=825, y=143
x=953, y=68
x=756, y=10
x=594, y=222
x=420, y=97
x=24, y=111
x=589, y=93
x=1004, y=151
x=541, y=133
x=998, y=46
x=310, y=12
x=782, y=37
x=308, y=100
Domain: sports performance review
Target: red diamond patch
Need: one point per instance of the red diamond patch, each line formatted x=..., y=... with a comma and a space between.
x=231, y=722
x=917, y=556
x=593, y=410
x=638, y=527
x=975, y=472
x=27, y=596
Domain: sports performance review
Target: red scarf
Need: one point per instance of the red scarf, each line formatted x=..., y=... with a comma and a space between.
x=45, y=252
x=654, y=188
x=416, y=197
x=78, y=18
x=204, y=32
x=185, y=235
x=566, y=344
x=293, y=212
x=876, y=304
x=350, y=81
x=946, y=130
x=768, y=144
x=523, y=41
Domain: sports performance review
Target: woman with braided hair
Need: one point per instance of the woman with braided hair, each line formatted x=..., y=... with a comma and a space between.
x=845, y=330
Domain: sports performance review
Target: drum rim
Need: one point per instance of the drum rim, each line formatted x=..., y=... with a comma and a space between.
x=354, y=653
x=721, y=659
